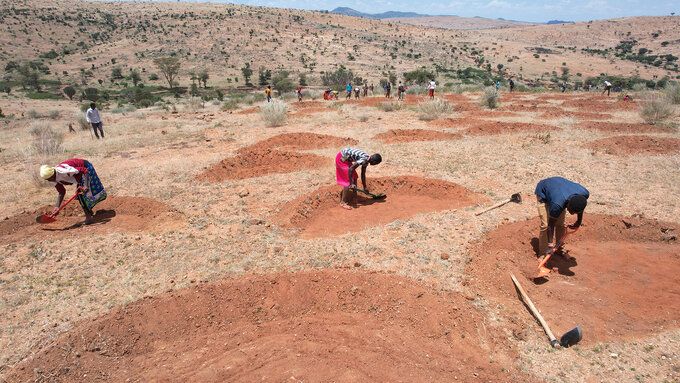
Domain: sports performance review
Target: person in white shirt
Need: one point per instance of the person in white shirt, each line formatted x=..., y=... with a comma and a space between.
x=607, y=87
x=430, y=88
x=92, y=116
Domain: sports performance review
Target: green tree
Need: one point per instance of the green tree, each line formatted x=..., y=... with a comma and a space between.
x=303, y=79
x=338, y=78
x=203, y=76
x=135, y=77
x=91, y=94
x=169, y=67
x=264, y=76
x=28, y=76
x=69, y=91
x=419, y=76
x=247, y=73
x=116, y=73
x=282, y=83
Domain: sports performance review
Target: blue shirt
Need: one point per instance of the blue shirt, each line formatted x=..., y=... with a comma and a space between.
x=556, y=192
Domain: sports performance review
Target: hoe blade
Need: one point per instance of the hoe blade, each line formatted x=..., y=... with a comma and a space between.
x=45, y=218
x=571, y=337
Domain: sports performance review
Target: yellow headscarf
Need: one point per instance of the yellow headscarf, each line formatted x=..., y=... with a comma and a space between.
x=46, y=172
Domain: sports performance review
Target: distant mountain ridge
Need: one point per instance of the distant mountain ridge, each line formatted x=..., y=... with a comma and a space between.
x=385, y=15
x=551, y=22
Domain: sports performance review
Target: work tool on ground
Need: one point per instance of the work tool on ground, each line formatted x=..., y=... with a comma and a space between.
x=373, y=196
x=516, y=198
x=544, y=271
x=568, y=339
x=49, y=218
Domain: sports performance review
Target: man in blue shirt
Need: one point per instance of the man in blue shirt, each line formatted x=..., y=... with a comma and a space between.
x=555, y=196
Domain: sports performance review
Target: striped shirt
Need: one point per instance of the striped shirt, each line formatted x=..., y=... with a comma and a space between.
x=354, y=155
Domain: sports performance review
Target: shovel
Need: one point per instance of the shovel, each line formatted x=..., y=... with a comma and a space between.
x=568, y=339
x=49, y=218
x=379, y=196
x=516, y=198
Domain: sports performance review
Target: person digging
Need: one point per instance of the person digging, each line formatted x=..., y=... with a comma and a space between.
x=555, y=196
x=79, y=172
x=346, y=162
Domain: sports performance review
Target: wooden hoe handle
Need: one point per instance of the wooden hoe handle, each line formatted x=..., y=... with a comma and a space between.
x=553, y=341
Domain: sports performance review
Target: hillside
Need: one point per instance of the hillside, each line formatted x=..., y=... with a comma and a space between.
x=81, y=43
x=457, y=22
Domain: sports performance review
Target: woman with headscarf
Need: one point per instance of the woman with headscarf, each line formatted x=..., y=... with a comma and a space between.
x=76, y=171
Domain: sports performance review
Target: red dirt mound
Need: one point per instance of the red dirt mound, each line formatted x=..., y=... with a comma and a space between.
x=316, y=326
x=449, y=122
x=528, y=106
x=300, y=141
x=623, y=281
x=482, y=127
x=629, y=145
x=256, y=163
x=311, y=111
x=560, y=113
x=489, y=113
x=250, y=110
x=409, y=135
x=116, y=213
x=319, y=213
x=619, y=127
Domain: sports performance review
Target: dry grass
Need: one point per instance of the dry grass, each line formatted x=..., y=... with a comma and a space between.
x=656, y=108
x=672, y=92
x=389, y=106
x=432, y=109
x=81, y=121
x=490, y=98
x=46, y=142
x=274, y=113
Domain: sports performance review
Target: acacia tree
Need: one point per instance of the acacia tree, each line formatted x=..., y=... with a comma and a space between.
x=247, y=73
x=203, y=76
x=69, y=91
x=169, y=67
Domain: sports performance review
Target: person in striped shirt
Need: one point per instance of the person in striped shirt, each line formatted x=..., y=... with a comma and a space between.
x=346, y=162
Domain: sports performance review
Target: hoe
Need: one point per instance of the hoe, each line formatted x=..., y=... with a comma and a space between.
x=516, y=198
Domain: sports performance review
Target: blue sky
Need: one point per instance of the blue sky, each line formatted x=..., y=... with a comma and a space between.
x=525, y=10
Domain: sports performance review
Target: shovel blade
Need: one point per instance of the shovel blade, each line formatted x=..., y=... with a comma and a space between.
x=45, y=218
x=379, y=196
x=571, y=337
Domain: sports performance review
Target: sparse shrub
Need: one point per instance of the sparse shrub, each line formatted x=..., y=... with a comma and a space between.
x=282, y=82
x=432, y=109
x=389, y=106
x=53, y=114
x=153, y=77
x=46, y=141
x=230, y=104
x=490, y=98
x=81, y=120
x=415, y=89
x=69, y=91
x=274, y=113
x=194, y=104
x=655, y=108
x=363, y=118
x=32, y=113
x=673, y=93
x=639, y=87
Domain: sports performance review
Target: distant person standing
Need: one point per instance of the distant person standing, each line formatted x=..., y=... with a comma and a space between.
x=430, y=88
x=372, y=88
x=348, y=89
x=512, y=85
x=498, y=85
x=357, y=92
x=299, y=93
x=607, y=87
x=388, y=90
x=400, y=91
x=268, y=93
x=365, y=88
x=92, y=116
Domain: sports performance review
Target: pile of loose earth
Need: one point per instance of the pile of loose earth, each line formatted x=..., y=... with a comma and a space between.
x=623, y=281
x=257, y=163
x=620, y=127
x=116, y=213
x=637, y=144
x=275, y=155
x=319, y=213
x=300, y=141
x=485, y=127
x=312, y=326
x=410, y=135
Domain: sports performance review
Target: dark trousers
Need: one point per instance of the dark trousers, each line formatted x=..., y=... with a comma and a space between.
x=95, y=126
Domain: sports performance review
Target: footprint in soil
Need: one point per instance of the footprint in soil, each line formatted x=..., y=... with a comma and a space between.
x=100, y=217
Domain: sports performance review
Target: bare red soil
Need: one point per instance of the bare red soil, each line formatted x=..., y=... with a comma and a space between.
x=600, y=104
x=409, y=135
x=321, y=326
x=482, y=127
x=300, y=141
x=619, y=127
x=629, y=145
x=623, y=281
x=319, y=213
x=529, y=106
x=256, y=163
x=461, y=103
x=116, y=213
x=250, y=110
x=312, y=111
x=449, y=122
x=489, y=113
x=561, y=113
